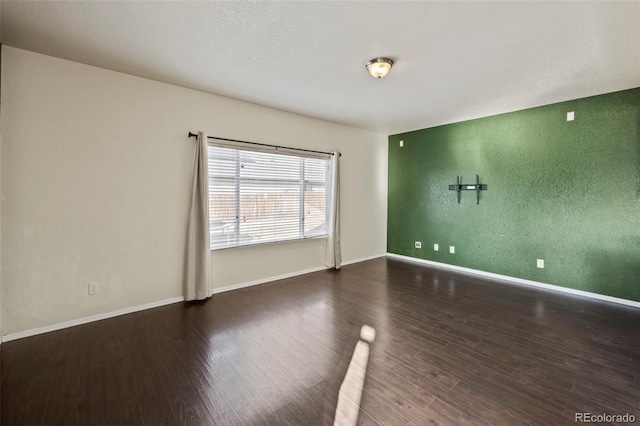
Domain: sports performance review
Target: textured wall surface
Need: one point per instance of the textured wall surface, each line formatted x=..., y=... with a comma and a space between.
x=564, y=191
x=96, y=184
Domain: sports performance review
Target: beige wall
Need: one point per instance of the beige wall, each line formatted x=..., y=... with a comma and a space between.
x=0, y=193
x=96, y=180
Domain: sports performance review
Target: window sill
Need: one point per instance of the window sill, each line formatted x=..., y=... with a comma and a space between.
x=318, y=237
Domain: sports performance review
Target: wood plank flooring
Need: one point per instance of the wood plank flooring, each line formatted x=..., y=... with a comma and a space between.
x=450, y=349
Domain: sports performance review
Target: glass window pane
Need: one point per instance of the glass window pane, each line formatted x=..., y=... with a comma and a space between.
x=257, y=197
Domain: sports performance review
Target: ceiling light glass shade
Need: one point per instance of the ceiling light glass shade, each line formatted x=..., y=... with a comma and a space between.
x=379, y=67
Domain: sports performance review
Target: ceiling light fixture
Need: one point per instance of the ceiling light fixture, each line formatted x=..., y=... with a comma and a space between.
x=379, y=67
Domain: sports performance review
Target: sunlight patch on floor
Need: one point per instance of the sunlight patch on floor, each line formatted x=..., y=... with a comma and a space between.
x=350, y=392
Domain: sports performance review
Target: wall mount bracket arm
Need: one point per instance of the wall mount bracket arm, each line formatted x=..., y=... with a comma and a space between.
x=459, y=187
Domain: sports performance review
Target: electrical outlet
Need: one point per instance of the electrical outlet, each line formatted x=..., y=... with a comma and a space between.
x=540, y=263
x=418, y=244
x=436, y=247
x=401, y=144
x=452, y=249
x=570, y=116
x=93, y=288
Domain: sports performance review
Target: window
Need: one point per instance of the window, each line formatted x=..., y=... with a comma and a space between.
x=257, y=197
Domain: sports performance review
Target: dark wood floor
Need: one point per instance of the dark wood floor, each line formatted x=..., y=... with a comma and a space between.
x=450, y=349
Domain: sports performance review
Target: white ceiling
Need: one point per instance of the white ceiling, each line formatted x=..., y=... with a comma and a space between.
x=454, y=60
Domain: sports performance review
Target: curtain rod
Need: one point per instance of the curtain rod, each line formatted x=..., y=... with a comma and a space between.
x=194, y=135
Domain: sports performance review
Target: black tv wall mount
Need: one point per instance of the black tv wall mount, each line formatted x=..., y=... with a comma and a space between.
x=459, y=187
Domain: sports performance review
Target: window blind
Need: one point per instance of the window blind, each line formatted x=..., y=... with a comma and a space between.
x=259, y=197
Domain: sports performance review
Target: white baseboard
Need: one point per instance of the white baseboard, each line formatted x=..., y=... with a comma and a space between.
x=289, y=275
x=514, y=280
x=86, y=320
x=363, y=259
x=267, y=280
x=92, y=318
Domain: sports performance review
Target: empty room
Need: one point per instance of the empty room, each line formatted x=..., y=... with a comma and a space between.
x=319, y=213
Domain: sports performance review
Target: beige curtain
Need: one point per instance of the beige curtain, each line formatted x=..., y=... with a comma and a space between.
x=333, y=253
x=198, y=263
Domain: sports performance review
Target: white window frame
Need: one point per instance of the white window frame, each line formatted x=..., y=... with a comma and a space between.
x=236, y=240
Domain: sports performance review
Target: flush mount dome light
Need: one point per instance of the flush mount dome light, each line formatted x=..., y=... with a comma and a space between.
x=379, y=67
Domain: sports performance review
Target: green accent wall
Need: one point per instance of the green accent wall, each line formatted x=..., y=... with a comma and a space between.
x=564, y=191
